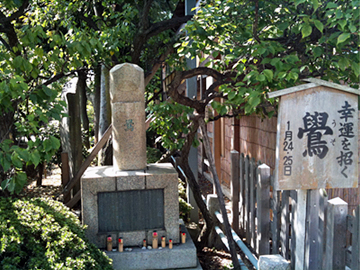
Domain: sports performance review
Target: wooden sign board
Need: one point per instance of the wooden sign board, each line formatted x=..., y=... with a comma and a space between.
x=317, y=137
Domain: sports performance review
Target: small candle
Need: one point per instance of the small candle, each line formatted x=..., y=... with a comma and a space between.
x=109, y=243
x=144, y=243
x=170, y=244
x=155, y=241
x=121, y=245
x=163, y=243
x=183, y=238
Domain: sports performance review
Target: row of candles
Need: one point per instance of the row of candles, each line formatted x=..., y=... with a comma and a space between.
x=155, y=242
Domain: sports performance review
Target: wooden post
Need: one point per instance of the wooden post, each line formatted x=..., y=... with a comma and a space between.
x=336, y=234
x=247, y=200
x=300, y=229
x=65, y=174
x=285, y=220
x=252, y=203
x=242, y=196
x=276, y=221
x=235, y=190
x=314, y=233
x=355, y=250
x=263, y=210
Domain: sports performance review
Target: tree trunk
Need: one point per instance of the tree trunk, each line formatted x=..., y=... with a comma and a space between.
x=220, y=195
x=81, y=88
x=195, y=188
x=96, y=102
x=75, y=134
x=105, y=113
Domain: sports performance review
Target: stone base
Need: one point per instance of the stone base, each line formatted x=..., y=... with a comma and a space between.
x=181, y=256
x=107, y=179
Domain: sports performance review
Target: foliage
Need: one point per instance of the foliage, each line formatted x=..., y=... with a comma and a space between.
x=44, y=234
x=184, y=207
x=42, y=44
x=265, y=46
x=171, y=122
x=153, y=155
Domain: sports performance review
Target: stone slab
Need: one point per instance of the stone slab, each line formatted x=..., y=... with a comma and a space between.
x=273, y=262
x=182, y=256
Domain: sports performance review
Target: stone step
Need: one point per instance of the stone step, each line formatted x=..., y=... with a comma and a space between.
x=181, y=256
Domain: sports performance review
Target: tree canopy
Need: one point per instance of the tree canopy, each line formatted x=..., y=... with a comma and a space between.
x=249, y=48
x=43, y=43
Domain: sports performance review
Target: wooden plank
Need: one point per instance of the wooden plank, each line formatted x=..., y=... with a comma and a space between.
x=252, y=203
x=88, y=160
x=299, y=228
x=263, y=210
x=335, y=248
x=293, y=201
x=355, y=250
x=276, y=222
x=235, y=190
x=285, y=221
x=74, y=200
x=313, y=236
x=247, y=200
x=323, y=201
x=242, y=194
x=65, y=174
x=333, y=85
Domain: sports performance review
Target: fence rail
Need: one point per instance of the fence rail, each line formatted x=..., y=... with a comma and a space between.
x=266, y=218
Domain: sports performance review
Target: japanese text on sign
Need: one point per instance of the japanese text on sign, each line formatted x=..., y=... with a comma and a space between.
x=346, y=134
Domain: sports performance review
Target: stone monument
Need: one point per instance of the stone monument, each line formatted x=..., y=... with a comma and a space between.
x=130, y=200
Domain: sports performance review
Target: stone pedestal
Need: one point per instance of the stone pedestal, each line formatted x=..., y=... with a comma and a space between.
x=106, y=182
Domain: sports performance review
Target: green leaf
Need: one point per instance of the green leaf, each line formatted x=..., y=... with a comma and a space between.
x=55, y=143
x=298, y=2
x=343, y=37
x=315, y=4
x=254, y=101
x=24, y=154
x=261, y=78
x=16, y=160
x=331, y=5
x=318, y=51
x=268, y=74
x=6, y=164
x=5, y=183
x=319, y=25
x=231, y=95
x=343, y=63
x=35, y=157
x=306, y=30
x=356, y=68
x=11, y=185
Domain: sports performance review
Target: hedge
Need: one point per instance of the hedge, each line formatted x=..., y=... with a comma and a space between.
x=41, y=233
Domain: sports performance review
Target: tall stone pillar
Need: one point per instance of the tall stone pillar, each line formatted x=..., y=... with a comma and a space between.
x=128, y=117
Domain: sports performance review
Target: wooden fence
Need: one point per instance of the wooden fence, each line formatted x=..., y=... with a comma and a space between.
x=265, y=218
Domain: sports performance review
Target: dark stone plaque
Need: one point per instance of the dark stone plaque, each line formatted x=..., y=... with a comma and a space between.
x=132, y=210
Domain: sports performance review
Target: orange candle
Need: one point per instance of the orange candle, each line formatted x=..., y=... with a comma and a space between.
x=170, y=244
x=163, y=243
x=155, y=241
x=109, y=243
x=183, y=238
x=121, y=245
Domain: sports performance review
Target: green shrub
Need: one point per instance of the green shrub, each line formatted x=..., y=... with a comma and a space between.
x=41, y=233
